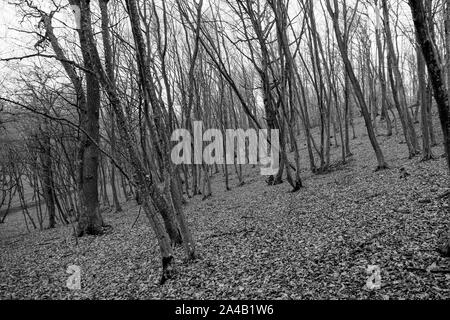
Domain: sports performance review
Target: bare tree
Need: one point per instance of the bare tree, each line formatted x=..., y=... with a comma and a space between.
x=356, y=86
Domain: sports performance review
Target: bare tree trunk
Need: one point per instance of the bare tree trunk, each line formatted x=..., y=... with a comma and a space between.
x=304, y=114
x=436, y=74
x=103, y=183
x=447, y=40
x=145, y=187
x=23, y=201
x=48, y=179
x=37, y=197
x=423, y=102
x=116, y=201
x=224, y=125
x=398, y=89
x=206, y=183
x=160, y=140
x=357, y=88
x=347, y=115
x=382, y=77
x=90, y=221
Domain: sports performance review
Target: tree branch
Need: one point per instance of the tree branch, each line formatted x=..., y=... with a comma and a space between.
x=70, y=123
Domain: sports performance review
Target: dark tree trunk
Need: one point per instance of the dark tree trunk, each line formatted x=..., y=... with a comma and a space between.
x=48, y=180
x=436, y=74
x=423, y=104
x=382, y=76
x=398, y=90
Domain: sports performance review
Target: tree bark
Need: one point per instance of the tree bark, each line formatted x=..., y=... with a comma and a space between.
x=435, y=71
x=356, y=86
x=423, y=102
x=110, y=72
x=90, y=221
x=46, y=159
x=447, y=40
x=382, y=75
x=398, y=89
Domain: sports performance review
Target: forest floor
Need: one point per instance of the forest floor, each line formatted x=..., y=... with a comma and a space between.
x=262, y=242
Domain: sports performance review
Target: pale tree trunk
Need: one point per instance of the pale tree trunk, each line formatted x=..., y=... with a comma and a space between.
x=189, y=102
x=264, y=73
x=320, y=89
x=104, y=183
x=224, y=126
x=435, y=72
x=348, y=113
x=142, y=179
x=447, y=38
x=304, y=115
x=206, y=190
x=373, y=94
x=155, y=124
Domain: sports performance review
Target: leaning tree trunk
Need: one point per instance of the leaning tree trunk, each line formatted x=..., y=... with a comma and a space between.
x=90, y=221
x=158, y=130
x=356, y=86
x=110, y=72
